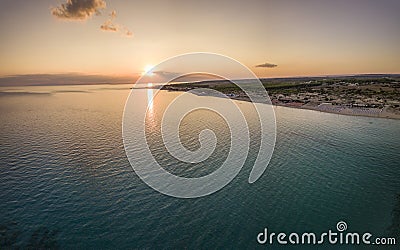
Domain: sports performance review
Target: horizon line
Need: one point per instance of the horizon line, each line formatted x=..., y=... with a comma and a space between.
x=75, y=78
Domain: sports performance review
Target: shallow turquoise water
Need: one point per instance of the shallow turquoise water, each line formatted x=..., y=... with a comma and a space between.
x=65, y=180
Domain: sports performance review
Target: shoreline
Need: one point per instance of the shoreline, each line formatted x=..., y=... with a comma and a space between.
x=383, y=114
x=325, y=108
x=377, y=97
x=334, y=109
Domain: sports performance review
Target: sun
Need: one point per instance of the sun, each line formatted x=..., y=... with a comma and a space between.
x=147, y=69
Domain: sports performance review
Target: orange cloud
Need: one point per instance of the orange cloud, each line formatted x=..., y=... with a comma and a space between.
x=110, y=25
x=77, y=10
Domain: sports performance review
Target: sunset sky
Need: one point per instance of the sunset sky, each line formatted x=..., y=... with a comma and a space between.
x=119, y=38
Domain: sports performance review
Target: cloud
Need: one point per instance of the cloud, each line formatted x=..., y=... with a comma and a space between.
x=78, y=10
x=113, y=14
x=128, y=33
x=166, y=73
x=161, y=76
x=266, y=65
x=110, y=25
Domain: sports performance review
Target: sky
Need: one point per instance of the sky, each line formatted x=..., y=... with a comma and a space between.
x=119, y=38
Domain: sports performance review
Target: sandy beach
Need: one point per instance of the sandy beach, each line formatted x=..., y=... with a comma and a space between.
x=385, y=112
x=363, y=95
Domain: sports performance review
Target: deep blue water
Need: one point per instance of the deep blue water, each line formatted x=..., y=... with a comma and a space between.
x=66, y=182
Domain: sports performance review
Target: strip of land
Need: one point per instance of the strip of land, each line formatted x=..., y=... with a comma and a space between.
x=360, y=95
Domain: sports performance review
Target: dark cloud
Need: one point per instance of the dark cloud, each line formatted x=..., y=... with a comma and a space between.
x=110, y=25
x=78, y=9
x=166, y=73
x=266, y=65
x=163, y=76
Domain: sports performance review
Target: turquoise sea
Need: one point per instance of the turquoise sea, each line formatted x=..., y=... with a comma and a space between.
x=65, y=180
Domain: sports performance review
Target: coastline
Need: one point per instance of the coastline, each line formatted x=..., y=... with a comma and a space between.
x=364, y=112
x=368, y=96
x=327, y=108
x=334, y=109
